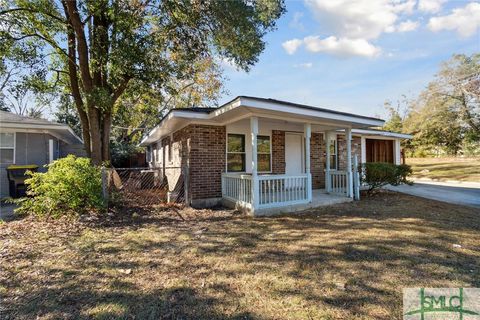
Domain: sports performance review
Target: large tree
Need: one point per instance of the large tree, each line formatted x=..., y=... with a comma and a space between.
x=100, y=48
x=446, y=115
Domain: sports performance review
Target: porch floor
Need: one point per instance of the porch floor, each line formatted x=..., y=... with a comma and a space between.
x=319, y=199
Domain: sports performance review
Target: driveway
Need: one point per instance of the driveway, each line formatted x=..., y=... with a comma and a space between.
x=465, y=193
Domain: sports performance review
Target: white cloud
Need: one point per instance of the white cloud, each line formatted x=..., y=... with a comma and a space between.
x=306, y=65
x=296, y=21
x=407, y=26
x=430, y=6
x=465, y=21
x=291, y=46
x=342, y=47
x=359, y=19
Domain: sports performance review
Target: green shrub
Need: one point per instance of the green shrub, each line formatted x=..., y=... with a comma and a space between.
x=71, y=186
x=379, y=174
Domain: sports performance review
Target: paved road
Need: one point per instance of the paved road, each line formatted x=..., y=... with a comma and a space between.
x=467, y=194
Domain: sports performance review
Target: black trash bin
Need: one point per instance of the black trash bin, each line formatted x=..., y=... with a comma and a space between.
x=16, y=179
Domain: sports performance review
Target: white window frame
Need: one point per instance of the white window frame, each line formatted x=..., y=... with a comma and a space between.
x=9, y=148
x=270, y=142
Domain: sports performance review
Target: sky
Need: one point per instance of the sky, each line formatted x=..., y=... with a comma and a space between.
x=352, y=55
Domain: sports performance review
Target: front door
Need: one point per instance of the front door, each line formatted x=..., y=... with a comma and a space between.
x=294, y=158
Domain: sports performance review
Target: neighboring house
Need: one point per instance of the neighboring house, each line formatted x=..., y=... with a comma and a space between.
x=28, y=141
x=266, y=155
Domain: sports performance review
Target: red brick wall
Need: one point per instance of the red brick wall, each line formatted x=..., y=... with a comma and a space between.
x=207, y=160
x=278, y=152
x=201, y=148
x=317, y=160
x=342, y=150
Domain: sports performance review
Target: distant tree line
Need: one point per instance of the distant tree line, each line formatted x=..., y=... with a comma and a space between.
x=445, y=118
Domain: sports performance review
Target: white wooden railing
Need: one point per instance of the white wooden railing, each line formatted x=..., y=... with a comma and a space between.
x=273, y=190
x=237, y=188
x=338, y=182
x=281, y=190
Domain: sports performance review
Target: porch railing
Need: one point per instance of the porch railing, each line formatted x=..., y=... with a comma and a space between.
x=237, y=188
x=279, y=190
x=338, y=182
x=273, y=190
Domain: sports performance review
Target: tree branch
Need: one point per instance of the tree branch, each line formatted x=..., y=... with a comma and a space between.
x=50, y=42
x=120, y=89
x=74, y=83
x=32, y=11
x=76, y=23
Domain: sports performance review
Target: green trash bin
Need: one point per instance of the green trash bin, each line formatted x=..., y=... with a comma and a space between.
x=16, y=179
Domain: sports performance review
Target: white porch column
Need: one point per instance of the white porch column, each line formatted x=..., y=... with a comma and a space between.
x=363, y=146
x=348, y=137
x=50, y=151
x=307, y=130
x=327, y=162
x=255, y=182
x=397, y=150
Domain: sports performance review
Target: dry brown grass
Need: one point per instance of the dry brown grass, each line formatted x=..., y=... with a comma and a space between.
x=448, y=168
x=348, y=261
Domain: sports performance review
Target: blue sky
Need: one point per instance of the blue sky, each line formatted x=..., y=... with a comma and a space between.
x=353, y=55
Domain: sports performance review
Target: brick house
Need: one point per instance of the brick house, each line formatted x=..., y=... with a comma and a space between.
x=267, y=156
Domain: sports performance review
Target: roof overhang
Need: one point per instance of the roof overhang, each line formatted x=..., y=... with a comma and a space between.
x=62, y=132
x=243, y=107
x=380, y=133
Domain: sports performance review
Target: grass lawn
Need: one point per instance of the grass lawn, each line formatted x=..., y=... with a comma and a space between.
x=460, y=169
x=347, y=261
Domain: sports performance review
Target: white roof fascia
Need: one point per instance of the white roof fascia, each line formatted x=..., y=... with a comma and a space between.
x=263, y=105
x=34, y=126
x=382, y=133
x=272, y=106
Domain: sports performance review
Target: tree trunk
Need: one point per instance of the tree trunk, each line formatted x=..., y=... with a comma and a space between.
x=107, y=124
x=95, y=135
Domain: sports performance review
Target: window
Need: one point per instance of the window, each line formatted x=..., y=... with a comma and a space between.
x=236, y=153
x=170, y=151
x=7, y=147
x=154, y=153
x=333, y=154
x=263, y=153
x=149, y=154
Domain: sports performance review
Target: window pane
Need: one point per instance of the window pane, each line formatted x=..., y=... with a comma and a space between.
x=236, y=143
x=333, y=147
x=264, y=162
x=333, y=162
x=235, y=162
x=6, y=155
x=263, y=144
x=6, y=140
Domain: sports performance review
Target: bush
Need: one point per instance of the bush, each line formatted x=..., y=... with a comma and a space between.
x=379, y=174
x=71, y=186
